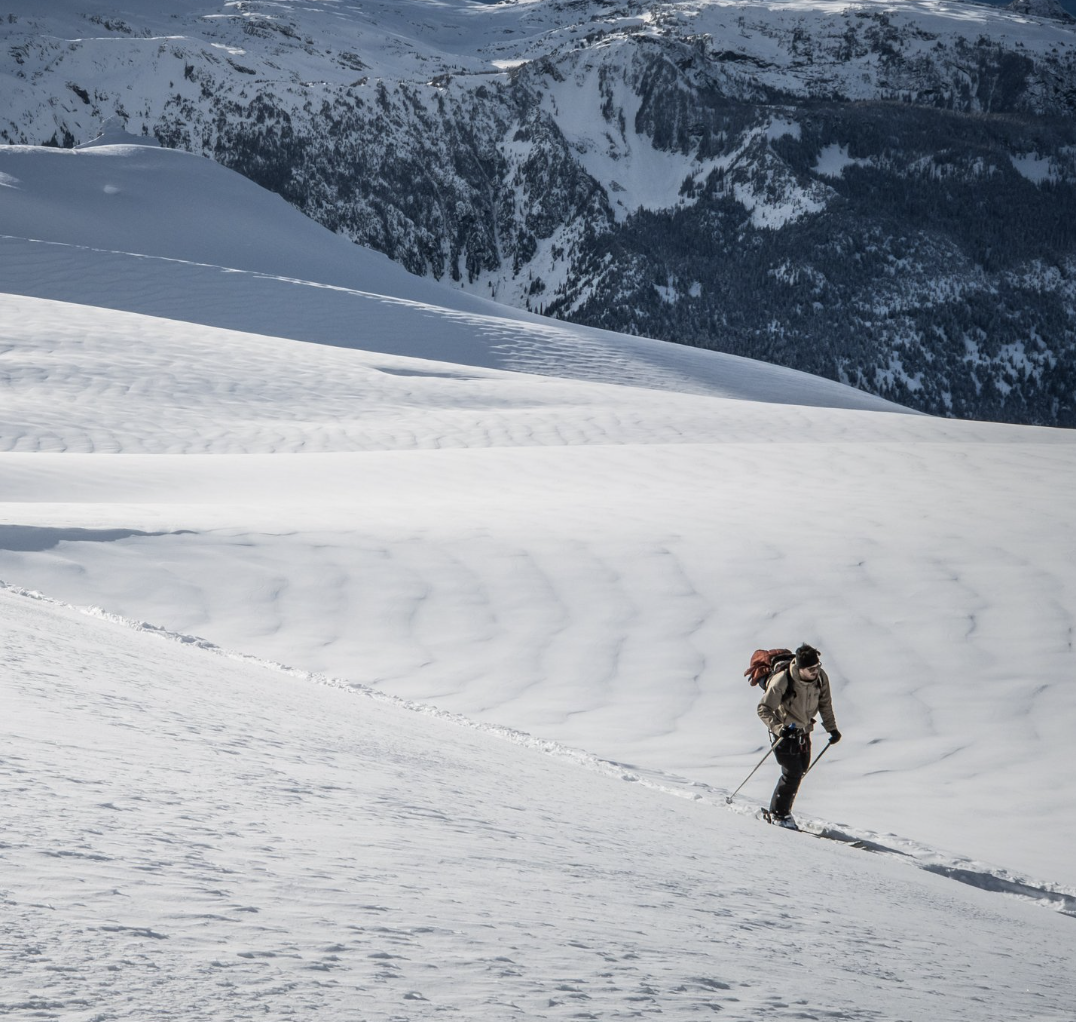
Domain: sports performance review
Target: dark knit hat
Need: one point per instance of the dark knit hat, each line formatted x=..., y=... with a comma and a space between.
x=807, y=656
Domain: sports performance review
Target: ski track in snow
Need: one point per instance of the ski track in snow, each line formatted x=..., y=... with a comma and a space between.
x=206, y=840
x=970, y=872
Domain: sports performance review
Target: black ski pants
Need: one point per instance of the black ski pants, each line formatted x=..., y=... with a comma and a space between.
x=794, y=756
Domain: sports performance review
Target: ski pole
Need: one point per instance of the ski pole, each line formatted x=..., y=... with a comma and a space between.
x=753, y=772
x=817, y=758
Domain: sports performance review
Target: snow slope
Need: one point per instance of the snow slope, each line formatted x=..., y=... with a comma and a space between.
x=568, y=562
x=190, y=837
x=162, y=232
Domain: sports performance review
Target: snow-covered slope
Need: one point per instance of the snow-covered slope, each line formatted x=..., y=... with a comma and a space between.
x=129, y=227
x=585, y=561
x=188, y=837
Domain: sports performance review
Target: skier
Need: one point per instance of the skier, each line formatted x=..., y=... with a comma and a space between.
x=788, y=708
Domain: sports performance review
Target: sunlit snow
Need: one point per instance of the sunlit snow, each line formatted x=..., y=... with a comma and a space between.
x=400, y=674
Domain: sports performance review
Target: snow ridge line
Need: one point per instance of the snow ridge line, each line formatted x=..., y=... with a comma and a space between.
x=390, y=299
x=967, y=871
x=551, y=329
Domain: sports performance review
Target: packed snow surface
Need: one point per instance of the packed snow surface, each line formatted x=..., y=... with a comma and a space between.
x=399, y=674
x=191, y=837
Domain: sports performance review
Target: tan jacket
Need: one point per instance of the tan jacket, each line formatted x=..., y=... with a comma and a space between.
x=807, y=699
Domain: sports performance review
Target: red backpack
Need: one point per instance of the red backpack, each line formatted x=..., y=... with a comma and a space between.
x=765, y=663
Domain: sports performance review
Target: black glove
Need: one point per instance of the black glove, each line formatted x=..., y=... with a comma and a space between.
x=834, y=737
x=788, y=731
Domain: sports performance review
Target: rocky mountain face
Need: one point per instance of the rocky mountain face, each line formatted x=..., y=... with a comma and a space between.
x=880, y=194
x=1042, y=9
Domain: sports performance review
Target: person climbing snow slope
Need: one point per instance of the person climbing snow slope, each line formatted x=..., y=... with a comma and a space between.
x=788, y=707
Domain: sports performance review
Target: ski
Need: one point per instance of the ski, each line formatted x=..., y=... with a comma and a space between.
x=788, y=823
x=822, y=832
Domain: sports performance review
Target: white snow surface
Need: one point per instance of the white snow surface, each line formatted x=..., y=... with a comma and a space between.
x=369, y=679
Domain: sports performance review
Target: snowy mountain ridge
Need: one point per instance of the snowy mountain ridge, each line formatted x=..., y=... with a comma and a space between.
x=876, y=193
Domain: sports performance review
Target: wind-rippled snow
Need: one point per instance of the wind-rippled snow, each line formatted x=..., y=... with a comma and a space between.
x=188, y=837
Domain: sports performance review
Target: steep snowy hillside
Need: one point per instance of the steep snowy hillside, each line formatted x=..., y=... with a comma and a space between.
x=883, y=194
x=188, y=837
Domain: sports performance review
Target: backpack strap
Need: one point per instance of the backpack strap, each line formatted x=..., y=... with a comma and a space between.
x=790, y=685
